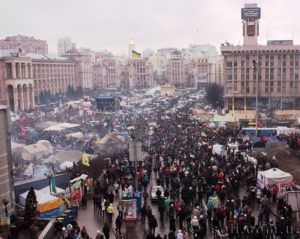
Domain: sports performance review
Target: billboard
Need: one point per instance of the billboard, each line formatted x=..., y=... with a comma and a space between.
x=202, y=78
x=129, y=210
x=251, y=13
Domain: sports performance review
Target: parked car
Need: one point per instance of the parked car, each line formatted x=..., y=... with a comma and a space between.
x=153, y=196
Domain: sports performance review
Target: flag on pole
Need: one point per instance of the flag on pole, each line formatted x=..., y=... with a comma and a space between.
x=275, y=157
x=192, y=155
x=77, y=184
x=264, y=153
x=136, y=54
x=85, y=160
x=52, y=182
x=203, y=134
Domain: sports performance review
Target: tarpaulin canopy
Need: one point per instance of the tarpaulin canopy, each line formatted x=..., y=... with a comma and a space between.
x=273, y=176
x=44, y=125
x=82, y=176
x=16, y=147
x=61, y=127
x=256, y=142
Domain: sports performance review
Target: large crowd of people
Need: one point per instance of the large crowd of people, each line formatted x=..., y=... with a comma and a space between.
x=203, y=193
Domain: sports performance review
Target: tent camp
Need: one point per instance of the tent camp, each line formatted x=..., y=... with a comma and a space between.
x=44, y=125
x=34, y=151
x=16, y=147
x=274, y=176
x=219, y=150
x=48, y=205
x=59, y=191
x=256, y=142
x=77, y=135
x=61, y=127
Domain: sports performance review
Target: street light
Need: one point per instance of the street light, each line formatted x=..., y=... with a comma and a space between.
x=255, y=67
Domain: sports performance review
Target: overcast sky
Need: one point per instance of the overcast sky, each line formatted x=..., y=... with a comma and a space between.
x=109, y=24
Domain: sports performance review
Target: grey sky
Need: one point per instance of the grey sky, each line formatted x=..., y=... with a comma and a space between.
x=100, y=24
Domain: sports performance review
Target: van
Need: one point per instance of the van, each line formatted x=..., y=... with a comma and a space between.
x=219, y=149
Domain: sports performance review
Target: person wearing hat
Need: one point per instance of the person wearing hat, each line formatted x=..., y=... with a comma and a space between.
x=195, y=224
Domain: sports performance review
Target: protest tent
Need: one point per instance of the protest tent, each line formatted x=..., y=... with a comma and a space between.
x=16, y=147
x=65, y=165
x=274, y=176
x=77, y=135
x=59, y=191
x=47, y=124
x=256, y=142
x=34, y=151
x=48, y=205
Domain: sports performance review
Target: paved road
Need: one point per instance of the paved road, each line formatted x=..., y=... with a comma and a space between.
x=89, y=219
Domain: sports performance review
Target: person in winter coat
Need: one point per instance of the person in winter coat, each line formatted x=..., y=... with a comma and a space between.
x=143, y=213
x=196, y=212
x=106, y=230
x=118, y=224
x=167, y=205
x=110, y=211
x=152, y=224
x=179, y=235
x=195, y=223
x=172, y=224
x=258, y=196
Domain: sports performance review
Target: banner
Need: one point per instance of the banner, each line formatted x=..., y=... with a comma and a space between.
x=129, y=210
x=202, y=78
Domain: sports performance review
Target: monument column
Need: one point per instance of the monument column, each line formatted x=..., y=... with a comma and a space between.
x=26, y=70
x=21, y=95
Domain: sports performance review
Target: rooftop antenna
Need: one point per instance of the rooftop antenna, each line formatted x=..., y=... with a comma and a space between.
x=267, y=32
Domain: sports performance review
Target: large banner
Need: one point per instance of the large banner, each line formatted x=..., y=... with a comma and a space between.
x=129, y=210
x=202, y=78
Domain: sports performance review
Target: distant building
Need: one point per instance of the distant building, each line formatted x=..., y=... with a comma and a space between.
x=65, y=44
x=29, y=44
x=24, y=76
x=89, y=51
x=148, y=52
x=278, y=65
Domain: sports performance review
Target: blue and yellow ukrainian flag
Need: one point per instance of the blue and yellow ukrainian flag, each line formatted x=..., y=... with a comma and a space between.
x=136, y=54
x=192, y=155
x=203, y=134
x=52, y=182
x=264, y=152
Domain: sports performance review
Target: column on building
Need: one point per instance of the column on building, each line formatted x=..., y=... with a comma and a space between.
x=26, y=70
x=31, y=92
x=15, y=92
x=13, y=70
x=25, y=97
x=7, y=97
x=20, y=70
x=21, y=95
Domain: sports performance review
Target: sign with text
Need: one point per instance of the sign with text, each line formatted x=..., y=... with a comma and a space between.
x=129, y=210
x=250, y=13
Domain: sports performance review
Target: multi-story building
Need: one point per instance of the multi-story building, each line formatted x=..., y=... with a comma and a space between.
x=176, y=70
x=278, y=69
x=83, y=68
x=148, y=52
x=64, y=45
x=29, y=44
x=133, y=74
x=24, y=76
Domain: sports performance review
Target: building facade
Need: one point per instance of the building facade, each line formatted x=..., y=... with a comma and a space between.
x=6, y=164
x=29, y=44
x=24, y=76
x=278, y=69
x=64, y=45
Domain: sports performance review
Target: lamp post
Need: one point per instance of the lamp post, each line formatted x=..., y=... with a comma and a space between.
x=255, y=67
x=5, y=202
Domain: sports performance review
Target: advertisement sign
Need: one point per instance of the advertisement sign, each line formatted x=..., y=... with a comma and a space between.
x=251, y=13
x=202, y=78
x=129, y=210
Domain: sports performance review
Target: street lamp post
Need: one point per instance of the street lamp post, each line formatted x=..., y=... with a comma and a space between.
x=5, y=202
x=255, y=66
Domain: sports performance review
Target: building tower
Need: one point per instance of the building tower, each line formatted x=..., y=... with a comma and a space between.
x=250, y=16
x=6, y=181
x=131, y=47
